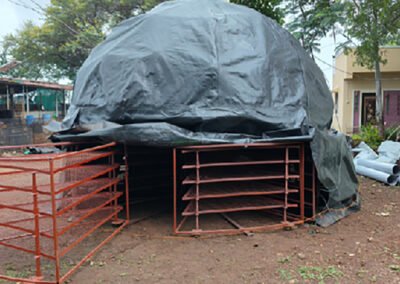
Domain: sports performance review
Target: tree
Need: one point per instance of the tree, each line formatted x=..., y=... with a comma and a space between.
x=70, y=30
x=311, y=20
x=372, y=24
x=27, y=48
x=270, y=8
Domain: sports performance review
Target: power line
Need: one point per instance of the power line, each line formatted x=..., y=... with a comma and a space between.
x=42, y=11
x=22, y=4
x=56, y=18
x=330, y=65
x=72, y=31
x=352, y=74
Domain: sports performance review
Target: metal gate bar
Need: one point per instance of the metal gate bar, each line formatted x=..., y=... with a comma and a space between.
x=221, y=179
x=61, y=186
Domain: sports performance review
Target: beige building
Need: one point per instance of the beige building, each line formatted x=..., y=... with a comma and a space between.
x=354, y=91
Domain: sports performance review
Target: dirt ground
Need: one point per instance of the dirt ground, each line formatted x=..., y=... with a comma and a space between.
x=362, y=248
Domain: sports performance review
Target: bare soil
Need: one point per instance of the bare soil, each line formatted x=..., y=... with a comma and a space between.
x=362, y=248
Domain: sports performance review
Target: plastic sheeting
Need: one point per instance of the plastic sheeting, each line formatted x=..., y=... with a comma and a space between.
x=200, y=72
x=389, y=152
x=383, y=167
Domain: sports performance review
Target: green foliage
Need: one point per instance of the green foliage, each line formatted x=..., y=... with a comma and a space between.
x=283, y=260
x=370, y=135
x=372, y=24
x=392, y=133
x=394, y=267
x=270, y=8
x=311, y=274
x=319, y=273
x=285, y=274
x=70, y=30
x=24, y=272
x=28, y=47
x=313, y=20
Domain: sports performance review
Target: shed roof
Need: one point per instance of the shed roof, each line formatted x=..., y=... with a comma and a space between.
x=20, y=85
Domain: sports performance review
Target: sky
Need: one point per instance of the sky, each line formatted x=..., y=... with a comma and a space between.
x=13, y=16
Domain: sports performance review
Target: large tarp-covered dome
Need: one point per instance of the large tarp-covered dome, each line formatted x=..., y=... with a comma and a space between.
x=203, y=65
x=207, y=71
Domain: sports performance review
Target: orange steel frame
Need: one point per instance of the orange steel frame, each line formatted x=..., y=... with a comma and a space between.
x=288, y=219
x=21, y=166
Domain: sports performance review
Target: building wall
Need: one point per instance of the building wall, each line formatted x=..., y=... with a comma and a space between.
x=391, y=54
x=345, y=118
x=338, y=90
x=349, y=78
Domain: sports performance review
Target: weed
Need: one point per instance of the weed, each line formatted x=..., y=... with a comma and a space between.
x=361, y=273
x=370, y=135
x=284, y=260
x=394, y=267
x=12, y=272
x=285, y=275
x=319, y=273
x=392, y=133
x=386, y=249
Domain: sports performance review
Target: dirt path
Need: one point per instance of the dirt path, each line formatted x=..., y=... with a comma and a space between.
x=363, y=248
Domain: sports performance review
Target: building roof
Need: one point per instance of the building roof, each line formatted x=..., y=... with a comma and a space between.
x=21, y=85
x=340, y=51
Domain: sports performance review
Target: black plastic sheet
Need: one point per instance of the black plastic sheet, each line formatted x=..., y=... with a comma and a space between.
x=200, y=72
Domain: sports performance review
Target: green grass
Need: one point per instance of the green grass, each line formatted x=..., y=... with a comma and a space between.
x=283, y=260
x=394, y=267
x=12, y=272
x=319, y=274
x=285, y=274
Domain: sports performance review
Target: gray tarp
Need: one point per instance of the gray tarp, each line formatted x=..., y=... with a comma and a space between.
x=207, y=71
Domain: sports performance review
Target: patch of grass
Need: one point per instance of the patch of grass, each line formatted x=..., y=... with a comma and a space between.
x=392, y=133
x=11, y=272
x=361, y=273
x=394, y=267
x=285, y=274
x=284, y=260
x=319, y=273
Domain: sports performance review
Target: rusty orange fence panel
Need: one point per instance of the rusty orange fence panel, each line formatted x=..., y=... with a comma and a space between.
x=261, y=180
x=50, y=204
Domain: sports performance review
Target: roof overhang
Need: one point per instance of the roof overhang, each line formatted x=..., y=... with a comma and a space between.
x=22, y=85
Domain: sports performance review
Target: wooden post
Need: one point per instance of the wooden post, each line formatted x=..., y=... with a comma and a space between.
x=27, y=103
x=8, y=98
x=57, y=104
x=40, y=105
x=64, y=104
x=23, y=101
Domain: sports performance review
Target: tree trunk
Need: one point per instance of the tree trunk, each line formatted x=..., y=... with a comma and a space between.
x=379, y=99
